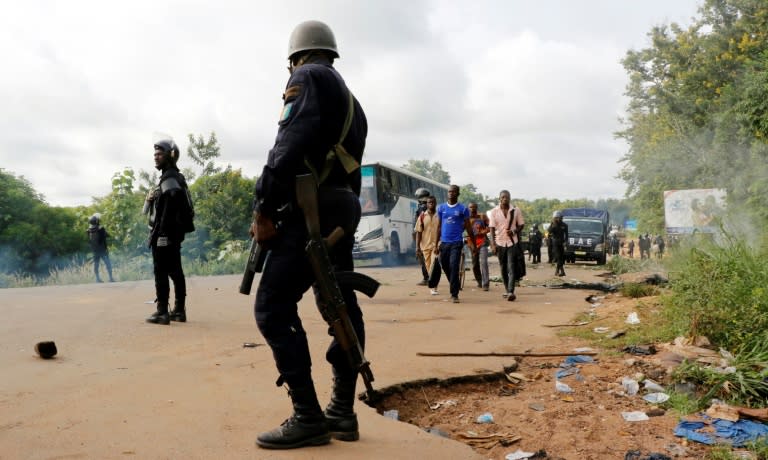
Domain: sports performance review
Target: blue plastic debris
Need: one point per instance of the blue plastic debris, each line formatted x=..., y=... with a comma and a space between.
x=737, y=434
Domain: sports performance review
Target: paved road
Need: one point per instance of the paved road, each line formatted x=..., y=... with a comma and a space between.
x=121, y=388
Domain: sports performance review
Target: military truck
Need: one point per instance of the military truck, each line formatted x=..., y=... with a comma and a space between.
x=587, y=234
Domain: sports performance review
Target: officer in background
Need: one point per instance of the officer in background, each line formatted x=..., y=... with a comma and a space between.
x=165, y=205
x=321, y=130
x=558, y=233
x=97, y=238
x=421, y=195
x=535, y=239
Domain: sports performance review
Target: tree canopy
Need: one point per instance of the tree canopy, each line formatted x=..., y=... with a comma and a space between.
x=698, y=113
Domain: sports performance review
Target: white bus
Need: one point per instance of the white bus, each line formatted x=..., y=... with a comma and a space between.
x=388, y=201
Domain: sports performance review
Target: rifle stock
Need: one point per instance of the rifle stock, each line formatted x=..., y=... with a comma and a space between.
x=330, y=299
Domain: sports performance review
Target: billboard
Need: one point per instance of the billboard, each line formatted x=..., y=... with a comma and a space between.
x=695, y=210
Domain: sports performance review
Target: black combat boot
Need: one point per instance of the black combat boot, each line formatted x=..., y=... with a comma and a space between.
x=161, y=315
x=306, y=427
x=342, y=421
x=179, y=312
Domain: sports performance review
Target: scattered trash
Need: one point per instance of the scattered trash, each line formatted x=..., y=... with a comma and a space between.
x=488, y=441
x=150, y=302
x=251, y=344
x=393, y=414
x=640, y=350
x=46, y=350
x=677, y=450
x=566, y=372
x=736, y=433
x=577, y=359
x=723, y=411
x=519, y=454
x=562, y=387
x=631, y=387
x=515, y=377
x=485, y=418
x=601, y=330
x=583, y=350
x=617, y=334
x=656, y=398
x=655, y=412
x=636, y=416
x=650, y=385
x=637, y=455
x=632, y=318
x=538, y=407
x=439, y=404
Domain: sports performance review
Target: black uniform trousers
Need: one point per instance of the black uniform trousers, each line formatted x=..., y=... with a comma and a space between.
x=506, y=255
x=167, y=263
x=558, y=247
x=287, y=275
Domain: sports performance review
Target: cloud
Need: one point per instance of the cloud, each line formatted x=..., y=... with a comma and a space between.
x=491, y=89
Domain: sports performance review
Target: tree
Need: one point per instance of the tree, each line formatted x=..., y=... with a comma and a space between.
x=203, y=153
x=34, y=237
x=223, y=203
x=469, y=194
x=121, y=213
x=697, y=117
x=429, y=170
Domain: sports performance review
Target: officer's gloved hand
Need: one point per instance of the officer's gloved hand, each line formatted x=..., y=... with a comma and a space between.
x=262, y=228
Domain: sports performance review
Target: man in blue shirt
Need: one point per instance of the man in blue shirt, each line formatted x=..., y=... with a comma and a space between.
x=454, y=220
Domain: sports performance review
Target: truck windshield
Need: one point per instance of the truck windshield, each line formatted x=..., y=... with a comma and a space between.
x=583, y=226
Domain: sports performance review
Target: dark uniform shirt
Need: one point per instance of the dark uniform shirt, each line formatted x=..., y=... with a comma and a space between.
x=168, y=205
x=315, y=106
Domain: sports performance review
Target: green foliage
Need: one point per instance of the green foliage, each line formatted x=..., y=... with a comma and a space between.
x=121, y=214
x=432, y=171
x=621, y=265
x=743, y=382
x=683, y=404
x=470, y=194
x=223, y=204
x=719, y=291
x=697, y=103
x=636, y=290
x=203, y=153
x=34, y=237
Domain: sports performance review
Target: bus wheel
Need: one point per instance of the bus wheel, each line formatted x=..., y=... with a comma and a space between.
x=393, y=256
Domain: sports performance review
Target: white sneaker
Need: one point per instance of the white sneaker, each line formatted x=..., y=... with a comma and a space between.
x=433, y=291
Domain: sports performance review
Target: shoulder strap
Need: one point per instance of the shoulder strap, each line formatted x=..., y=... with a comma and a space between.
x=337, y=152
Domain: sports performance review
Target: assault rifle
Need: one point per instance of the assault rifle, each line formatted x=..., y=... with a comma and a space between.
x=255, y=264
x=330, y=301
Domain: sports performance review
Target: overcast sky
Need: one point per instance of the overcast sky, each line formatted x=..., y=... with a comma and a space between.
x=511, y=94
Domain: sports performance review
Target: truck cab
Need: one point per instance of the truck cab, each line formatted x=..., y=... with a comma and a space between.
x=587, y=234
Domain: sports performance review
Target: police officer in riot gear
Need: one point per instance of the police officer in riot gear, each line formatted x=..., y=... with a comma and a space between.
x=535, y=239
x=421, y=195
x=97, y=238
x=322, y=131
x=165, y=205
x=558, y=233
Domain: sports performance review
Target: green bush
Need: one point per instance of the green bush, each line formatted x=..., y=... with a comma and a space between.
x=719, y=291
x=635, y=290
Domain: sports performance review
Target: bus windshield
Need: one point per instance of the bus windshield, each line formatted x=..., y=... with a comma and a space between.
x=368, y=201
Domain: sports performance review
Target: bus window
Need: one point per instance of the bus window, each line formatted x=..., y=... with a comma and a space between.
x=368, y=201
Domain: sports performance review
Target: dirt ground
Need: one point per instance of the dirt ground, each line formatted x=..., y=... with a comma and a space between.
x=122, y=388
x=530, y=414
